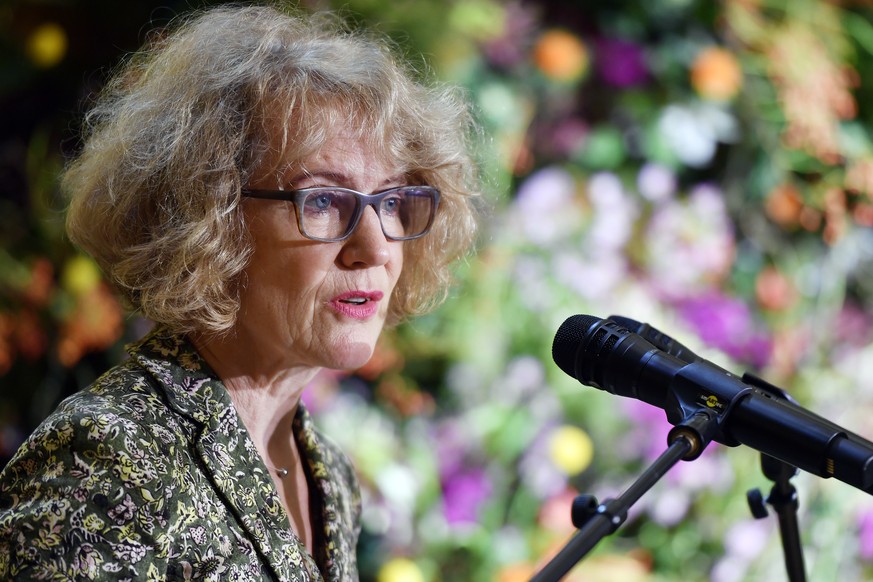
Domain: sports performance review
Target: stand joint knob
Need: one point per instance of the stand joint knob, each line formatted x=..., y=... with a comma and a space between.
x=757, y=503
x=583, y=508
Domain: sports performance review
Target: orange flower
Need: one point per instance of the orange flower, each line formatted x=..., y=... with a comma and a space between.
x=385, y=358
x=810, y=218
x=784, y=205
x=95, y=324
x=554, y=515
x=836, y=221
x=516, y=573
x=41, y=284
x=30, y=337
x=404, y=397
x=716, y=74
x=6, y=351
x=814, y=89
x=561, y=56
x=634, y=566
x=862, y=214
x=774, y=291
x=859, y=177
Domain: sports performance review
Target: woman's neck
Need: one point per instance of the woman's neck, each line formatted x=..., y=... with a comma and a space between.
x=267, y=400
x=265, y=392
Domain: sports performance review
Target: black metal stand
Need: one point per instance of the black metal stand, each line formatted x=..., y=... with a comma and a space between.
x=597, y=520
x=783, y=498
x=701, y=422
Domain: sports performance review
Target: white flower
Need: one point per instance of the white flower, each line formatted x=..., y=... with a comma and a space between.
x=693, y=131
x=545, y=208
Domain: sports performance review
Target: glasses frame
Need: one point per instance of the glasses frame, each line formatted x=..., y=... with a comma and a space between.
x=362, y=202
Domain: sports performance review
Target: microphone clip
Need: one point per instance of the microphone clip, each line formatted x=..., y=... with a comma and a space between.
x=698, y=405
x=699, y=428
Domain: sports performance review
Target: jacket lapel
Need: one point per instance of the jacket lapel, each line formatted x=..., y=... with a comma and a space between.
x=333, y=484
x=228, y=455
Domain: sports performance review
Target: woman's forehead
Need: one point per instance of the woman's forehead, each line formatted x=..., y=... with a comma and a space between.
x=336, y=151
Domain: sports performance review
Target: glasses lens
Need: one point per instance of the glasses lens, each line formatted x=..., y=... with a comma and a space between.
x=328, y=213
x=407, y=212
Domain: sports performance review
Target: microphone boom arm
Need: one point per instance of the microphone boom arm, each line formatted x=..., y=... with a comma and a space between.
x=600, y=520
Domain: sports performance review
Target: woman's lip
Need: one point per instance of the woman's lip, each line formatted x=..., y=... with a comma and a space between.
x=358, y=294
x=357, y=304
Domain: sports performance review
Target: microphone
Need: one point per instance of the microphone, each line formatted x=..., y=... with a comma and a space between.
x=660, y=340
x=606, y=355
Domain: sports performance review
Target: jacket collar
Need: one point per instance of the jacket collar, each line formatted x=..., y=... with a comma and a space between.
x=225, y=449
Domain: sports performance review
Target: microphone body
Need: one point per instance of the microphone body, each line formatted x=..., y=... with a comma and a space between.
x=655, y=337
x=605, y=355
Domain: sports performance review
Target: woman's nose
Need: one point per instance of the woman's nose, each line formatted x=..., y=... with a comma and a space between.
x=367, y=245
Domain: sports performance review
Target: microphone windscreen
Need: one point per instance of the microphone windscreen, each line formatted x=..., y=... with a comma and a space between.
x=568, y=338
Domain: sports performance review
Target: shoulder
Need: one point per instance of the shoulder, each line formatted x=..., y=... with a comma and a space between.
x=121, y=412
x=92, y=477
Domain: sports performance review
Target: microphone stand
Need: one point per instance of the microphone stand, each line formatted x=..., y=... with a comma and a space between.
x=783, y=498
x=783, y=495
x=595, y=521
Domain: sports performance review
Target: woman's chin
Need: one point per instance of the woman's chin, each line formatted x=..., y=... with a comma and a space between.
x=352, y=356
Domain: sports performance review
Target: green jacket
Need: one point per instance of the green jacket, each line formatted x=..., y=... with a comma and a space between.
x=149, y=474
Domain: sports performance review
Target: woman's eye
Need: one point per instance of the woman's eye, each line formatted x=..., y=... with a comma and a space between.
x=320, y=202
x=391, y=205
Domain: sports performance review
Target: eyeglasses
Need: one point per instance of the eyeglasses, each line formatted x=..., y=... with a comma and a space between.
x=330, y=214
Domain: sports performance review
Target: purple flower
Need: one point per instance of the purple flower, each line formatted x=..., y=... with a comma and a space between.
x=511, y=47
x=865, y=534
x=726, y=323
x=620, y=63
x=464, y=483
x=561, y=138
x=647, y=436
x=463, y=493
x=854, y=326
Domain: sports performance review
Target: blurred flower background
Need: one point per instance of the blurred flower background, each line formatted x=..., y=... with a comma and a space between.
x=706, y=167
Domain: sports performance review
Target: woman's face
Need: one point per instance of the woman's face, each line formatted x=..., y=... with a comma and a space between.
x=312, y=303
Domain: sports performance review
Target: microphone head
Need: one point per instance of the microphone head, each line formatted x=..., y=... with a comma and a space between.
x=604, y=354
x=628, y=323
x=569, y=338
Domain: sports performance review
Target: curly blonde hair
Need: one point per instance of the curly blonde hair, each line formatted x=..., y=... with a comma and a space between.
x=185, y=123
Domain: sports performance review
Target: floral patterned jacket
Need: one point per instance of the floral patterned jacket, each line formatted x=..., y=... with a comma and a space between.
x=149, y=474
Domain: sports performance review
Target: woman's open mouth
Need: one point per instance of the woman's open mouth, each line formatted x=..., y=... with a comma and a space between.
x=357, y=304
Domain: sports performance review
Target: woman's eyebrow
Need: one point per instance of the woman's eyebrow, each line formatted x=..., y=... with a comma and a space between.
x=340, y=178
x=326, y=175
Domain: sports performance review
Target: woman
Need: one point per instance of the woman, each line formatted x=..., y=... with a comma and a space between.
x=270, y=190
